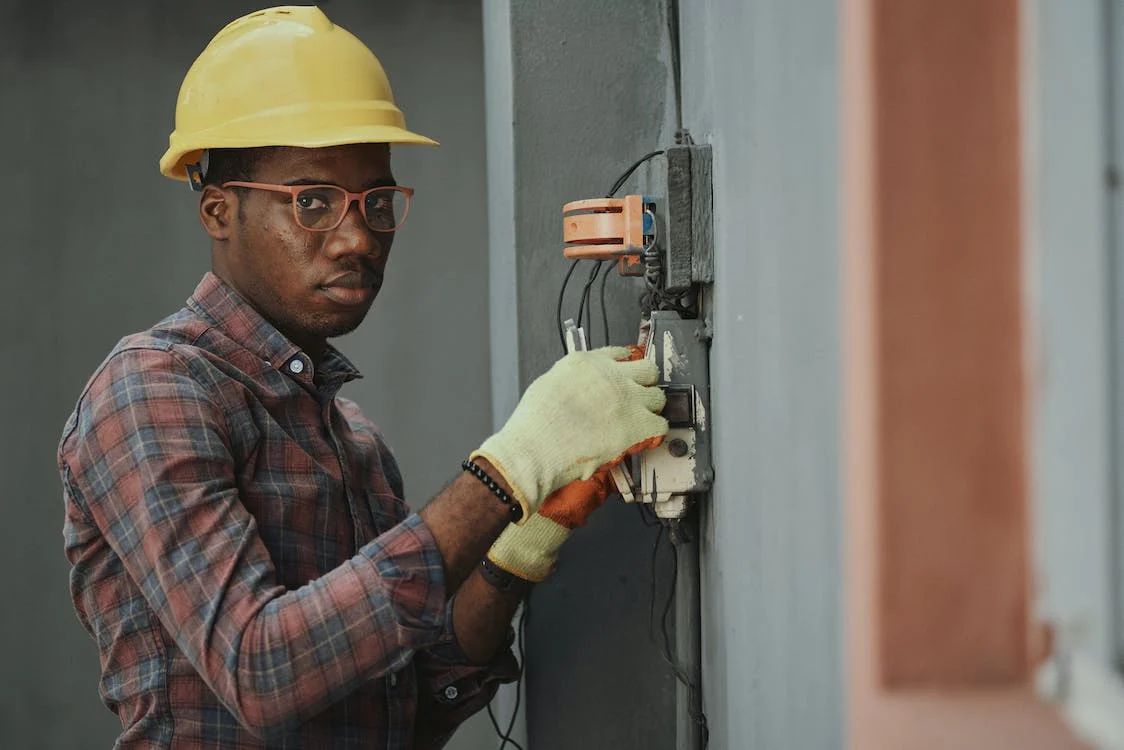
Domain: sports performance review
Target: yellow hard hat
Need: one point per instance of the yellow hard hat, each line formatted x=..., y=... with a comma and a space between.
x=283, y=76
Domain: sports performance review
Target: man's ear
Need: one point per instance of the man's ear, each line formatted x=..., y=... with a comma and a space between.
x=217, y=210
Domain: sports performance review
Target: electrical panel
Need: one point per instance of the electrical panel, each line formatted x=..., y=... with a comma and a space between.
x=668, y=241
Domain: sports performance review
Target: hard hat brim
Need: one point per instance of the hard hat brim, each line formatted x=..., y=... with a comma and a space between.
x=174, y=162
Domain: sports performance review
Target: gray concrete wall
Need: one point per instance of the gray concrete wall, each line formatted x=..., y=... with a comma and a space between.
x=761, y=82
x=97, y=244
x=1070, y=288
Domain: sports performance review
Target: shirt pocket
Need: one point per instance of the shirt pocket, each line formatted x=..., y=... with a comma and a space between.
x=301, y=512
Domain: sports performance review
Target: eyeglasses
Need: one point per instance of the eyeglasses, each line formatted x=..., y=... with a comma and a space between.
x=321, y=208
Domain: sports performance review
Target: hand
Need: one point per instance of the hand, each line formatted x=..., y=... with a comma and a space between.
x=587, y=410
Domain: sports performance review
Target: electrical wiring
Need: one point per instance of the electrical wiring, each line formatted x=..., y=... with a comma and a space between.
x=520, y=639
x=653, y=579
x=617, y=184
x=522, y=659
x=604, y=309
x=499, y=732
x=558, y=307
x=628, y=172
x=696, y=715
x=584, y=309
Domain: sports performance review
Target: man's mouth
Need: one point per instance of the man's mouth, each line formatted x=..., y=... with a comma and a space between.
x=351, y=288
x=352, y=280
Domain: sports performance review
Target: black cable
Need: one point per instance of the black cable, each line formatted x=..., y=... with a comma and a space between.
x=589, y=300
x=520, y=639
x=583, y=310
x=613, y=191
x=667, y=655
x=672, y=11
x=604, y=310
x=499, y=732
x=644, y=516
x=652, y=590
x=698, y=716
x=519, y=683
x=628, y=172
x=558, y=308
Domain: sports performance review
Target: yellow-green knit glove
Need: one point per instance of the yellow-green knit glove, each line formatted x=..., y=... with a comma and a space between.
x=529, y=551
x=587, y=410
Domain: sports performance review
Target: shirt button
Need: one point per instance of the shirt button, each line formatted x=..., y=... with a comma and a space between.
x=451, y=693
x=393, y=679
x=296, y=366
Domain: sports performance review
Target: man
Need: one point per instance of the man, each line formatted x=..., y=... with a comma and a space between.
x=241, y=551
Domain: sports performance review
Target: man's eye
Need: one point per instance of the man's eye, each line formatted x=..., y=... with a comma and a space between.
x=310, y=201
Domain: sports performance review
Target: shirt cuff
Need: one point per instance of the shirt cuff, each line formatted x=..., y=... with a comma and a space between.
x=448, y=666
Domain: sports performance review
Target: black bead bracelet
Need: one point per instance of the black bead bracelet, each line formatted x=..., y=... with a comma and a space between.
x=516, y=509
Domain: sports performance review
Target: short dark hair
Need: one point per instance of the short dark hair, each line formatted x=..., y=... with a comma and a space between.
x=229, y=164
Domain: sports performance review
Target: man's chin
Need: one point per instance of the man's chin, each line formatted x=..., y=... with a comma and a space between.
x=338, y=328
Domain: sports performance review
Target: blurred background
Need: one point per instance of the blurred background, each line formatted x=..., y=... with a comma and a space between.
x=916, y=533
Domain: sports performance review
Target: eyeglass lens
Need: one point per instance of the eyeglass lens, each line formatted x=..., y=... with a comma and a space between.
x=322, y=207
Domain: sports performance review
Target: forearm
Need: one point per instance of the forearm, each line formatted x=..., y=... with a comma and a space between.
x=383, y=604
x=481, y=617
x=464, y=519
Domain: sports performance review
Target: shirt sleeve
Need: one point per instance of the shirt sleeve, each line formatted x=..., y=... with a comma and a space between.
x=451, y=688
x=149, y=459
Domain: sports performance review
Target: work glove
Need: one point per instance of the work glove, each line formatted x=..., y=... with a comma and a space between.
x=587, y=410
x=530, y=551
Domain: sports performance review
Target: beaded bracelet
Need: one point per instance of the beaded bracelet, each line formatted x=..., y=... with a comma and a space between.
x=516, y=509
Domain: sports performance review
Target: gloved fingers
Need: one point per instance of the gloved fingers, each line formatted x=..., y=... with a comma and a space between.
x=655, y=426
x=642, y=371
x=652, y=426
x=650, y=397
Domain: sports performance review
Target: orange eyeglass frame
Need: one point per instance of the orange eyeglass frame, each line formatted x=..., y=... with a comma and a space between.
x=360, y=198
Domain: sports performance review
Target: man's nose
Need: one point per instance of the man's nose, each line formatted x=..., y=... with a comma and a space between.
x=353, y=236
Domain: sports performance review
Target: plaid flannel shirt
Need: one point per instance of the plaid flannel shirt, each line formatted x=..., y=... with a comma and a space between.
x=241, y=552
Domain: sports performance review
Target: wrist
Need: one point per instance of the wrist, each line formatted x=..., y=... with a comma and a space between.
x=504, y=581
x=502, y=479
x=486, y=474
x=496, y=475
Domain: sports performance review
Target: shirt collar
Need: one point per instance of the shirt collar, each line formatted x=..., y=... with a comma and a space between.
x=230, y=313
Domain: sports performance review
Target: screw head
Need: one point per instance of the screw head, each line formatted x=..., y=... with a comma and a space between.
x=677, y=447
